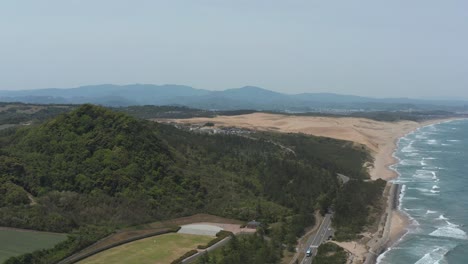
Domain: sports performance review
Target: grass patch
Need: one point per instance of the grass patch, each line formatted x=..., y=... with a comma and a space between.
x=18, y=242
x=155, y=250
x=149, y=228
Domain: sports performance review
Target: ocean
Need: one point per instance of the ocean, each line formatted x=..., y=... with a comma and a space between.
x=433, y=169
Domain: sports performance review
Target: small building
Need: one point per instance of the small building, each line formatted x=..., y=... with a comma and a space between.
x=253, y=224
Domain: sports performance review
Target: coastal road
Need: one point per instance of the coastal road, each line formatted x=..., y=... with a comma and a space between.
x=320, y=236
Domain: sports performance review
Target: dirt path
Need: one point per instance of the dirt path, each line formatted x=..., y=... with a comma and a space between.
x=32, y=200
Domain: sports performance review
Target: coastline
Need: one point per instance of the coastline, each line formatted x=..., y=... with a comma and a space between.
x=380, y=138
x=397, y=221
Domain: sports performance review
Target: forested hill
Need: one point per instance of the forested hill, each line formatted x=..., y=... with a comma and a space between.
x=91, y=148
x=96, y=167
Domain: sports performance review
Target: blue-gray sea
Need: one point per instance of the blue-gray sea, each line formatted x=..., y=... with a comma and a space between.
x=433, y=168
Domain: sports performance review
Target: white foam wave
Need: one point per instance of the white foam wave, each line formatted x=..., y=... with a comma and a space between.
x=425, y=174
x=442, y=217
x=421, y=136
x=453, y=140
x=411, y=156
x=412, y=198
x=408, y=148
x=450, y=230
x=432, y=128
x=413, y=209
x=408, y=162
x=403, y=190
x=434, y=256
x=431, y=193
x=451, y=224
x=382, y=256
x=414, y=223
x=402, y=194
x=419, y=189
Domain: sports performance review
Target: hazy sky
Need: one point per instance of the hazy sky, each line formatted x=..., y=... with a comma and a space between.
x=415, y=48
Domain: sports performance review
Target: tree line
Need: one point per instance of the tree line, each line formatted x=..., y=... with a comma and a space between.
x=93, y=167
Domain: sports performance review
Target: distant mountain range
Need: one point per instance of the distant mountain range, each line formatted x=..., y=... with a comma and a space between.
x=248, y=97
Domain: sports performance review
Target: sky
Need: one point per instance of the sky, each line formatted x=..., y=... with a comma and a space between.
x=396, y=48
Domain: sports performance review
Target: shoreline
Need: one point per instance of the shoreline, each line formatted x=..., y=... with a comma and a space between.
x=397, y=220
x=380, y=138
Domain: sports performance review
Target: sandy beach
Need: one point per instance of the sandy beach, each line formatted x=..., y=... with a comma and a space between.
x=398, y=227
x=379, y=137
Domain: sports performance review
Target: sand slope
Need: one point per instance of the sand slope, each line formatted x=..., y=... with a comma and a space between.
x=379, y=137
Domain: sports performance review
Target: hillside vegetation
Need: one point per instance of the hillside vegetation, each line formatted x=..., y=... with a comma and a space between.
x=93, y=171
x=16, y=113
x=330, y=253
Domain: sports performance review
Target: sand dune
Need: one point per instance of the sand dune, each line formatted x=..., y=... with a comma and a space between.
x=379, y=137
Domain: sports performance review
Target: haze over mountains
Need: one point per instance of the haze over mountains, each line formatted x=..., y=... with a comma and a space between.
x=247, y=97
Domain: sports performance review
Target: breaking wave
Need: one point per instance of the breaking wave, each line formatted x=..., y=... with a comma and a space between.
x=409, y=147
x=433, y=257
x=449, y=230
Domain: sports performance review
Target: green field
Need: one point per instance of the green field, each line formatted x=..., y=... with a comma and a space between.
x=155, y=250
x=17, y=242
